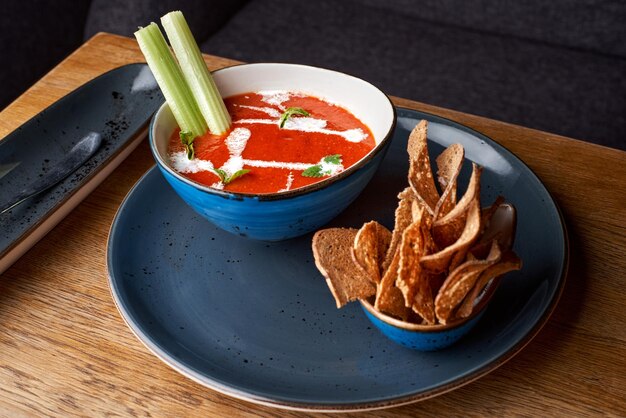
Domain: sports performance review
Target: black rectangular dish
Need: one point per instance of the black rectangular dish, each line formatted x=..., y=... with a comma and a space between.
x=117, y=105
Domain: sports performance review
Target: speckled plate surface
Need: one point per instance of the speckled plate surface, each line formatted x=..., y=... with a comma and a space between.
x=256, y=321
x=117, y=104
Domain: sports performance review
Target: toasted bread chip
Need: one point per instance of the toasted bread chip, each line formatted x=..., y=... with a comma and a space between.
x=331, y=251
x=409, y=269
x=436, y=281
x=403, y=218
x=424, y=302
x=370, y=247
x=384, y=241
x=460, y=282
x=449, y=164
x=487, y=213
x=406, y=193
x=420, y=172
x=434, y=266
x=440, y=261
x=412, y=280
x=481, y=248
x=389, y=298
x=460, y=256
x=417, y=207
x=419, y=213
x=448, y=229
x=509, y=262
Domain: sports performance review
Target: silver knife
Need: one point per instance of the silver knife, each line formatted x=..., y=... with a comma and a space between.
x=77, y=156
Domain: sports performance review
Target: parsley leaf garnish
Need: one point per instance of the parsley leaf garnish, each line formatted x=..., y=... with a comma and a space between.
x=333, y=159
x=225, y=178
x=290, y=112
x=313, y=171
x=324, y=167
x=187, y=139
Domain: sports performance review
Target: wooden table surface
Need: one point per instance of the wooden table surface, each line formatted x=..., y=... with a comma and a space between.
x=65, y=350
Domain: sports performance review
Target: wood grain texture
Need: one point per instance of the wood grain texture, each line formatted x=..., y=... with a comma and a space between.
x=65, y=350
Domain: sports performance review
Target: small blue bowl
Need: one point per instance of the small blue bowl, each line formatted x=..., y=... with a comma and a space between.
x=429, y=337
x=283, y=215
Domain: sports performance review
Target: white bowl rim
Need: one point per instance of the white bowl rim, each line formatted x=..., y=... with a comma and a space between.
x=290, y=193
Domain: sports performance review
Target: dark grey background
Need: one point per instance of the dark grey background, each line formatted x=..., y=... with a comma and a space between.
x=558, y=66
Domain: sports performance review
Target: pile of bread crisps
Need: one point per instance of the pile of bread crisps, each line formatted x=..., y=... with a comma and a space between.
x=434, y=265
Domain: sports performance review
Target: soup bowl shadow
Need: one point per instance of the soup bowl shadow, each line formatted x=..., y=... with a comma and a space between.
x=283, y=215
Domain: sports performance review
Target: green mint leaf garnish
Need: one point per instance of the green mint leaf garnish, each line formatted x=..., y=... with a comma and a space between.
x=221, y=174
x=187, y=140
x=225, y=178
x=236, y=175
x=333, y=159
x=290, y=112
x=313, y=171
x=322, y=168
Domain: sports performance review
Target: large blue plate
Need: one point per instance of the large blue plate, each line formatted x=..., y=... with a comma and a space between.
x=256, y=321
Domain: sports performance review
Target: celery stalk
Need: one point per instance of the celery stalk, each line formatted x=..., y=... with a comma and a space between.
x=196, y=74
x=171, y=80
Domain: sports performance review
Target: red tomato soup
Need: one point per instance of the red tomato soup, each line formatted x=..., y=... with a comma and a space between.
x=307, y=149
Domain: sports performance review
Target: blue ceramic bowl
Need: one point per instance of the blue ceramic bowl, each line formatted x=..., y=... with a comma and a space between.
x=429, y=337
x=283, y=215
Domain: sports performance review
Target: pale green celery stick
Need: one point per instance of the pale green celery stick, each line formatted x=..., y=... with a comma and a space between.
x=170, y=79
x=196, y=72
